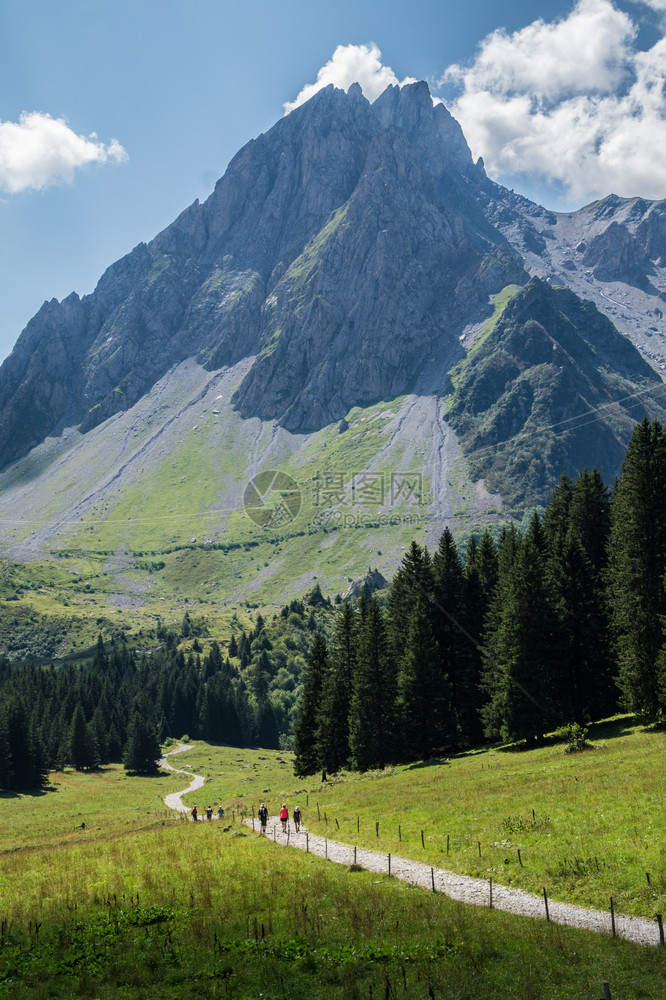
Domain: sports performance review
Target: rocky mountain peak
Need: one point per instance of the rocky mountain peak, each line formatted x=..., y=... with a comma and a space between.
x=340, y=251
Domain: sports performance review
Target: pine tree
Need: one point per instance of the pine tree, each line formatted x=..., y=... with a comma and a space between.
x=83, y=750
x=268, y=734
x=492, y=675
x=589, y=516
x=307, y=758
x=373, y=707
x=460, y=658
x=636, y=567
x=40, y=762
x=585, y=689
x=6, y=769
x=426, y=712
x=414, y=580
x=523, y=648
x=556, y=515
x=335, y=704
x=142, y=750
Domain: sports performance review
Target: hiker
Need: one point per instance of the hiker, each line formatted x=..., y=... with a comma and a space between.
x=284, y=816
x=297, y=818
x=220, y=812
x=263, y=816
x=194, y=813
x=209, y=812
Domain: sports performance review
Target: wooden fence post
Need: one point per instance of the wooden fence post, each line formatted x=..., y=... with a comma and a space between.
x=661, y=929
x=612, y=916
x=432, y=878
x=545, y=899
x=422, y=840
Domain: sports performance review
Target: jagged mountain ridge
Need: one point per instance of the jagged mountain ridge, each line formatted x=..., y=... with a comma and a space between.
x=341, y=252
x=294, y=252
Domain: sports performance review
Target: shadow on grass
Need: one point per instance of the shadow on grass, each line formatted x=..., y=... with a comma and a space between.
x=430, y=762
x=610, y=729
x=32, y=793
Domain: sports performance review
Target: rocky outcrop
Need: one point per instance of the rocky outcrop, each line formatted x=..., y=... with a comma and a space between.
x=553, y=387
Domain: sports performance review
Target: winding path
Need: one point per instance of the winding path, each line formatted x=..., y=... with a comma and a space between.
x=173, y=801
x=474, y=891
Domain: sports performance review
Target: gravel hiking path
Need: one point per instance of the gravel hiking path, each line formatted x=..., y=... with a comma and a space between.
x=474, y=891
x=173, y=801
x=463, y=888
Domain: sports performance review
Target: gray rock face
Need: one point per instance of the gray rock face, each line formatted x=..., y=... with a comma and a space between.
x=337, y=250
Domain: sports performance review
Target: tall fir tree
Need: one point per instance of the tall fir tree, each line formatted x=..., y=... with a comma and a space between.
x=373, y=707
x=142, y=749
x=307, y=759
x=589, y=516
x=335, y=704
x=426, y=719
x=637, y=562
x=413, y=580
x=523, y=649
x=6, y=769
x=459, y=651
x=83, y=750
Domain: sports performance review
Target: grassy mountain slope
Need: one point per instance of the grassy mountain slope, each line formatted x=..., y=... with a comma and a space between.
x=144, y=515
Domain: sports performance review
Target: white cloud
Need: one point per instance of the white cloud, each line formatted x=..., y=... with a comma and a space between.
x=571, y=103
x=40, y=150
x=658, y=5
x=351, y=64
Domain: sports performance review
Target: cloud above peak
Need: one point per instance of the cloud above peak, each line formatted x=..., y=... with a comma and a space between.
x=351, y=64
x=39, y=151
x=567, y=110
x=572, y=104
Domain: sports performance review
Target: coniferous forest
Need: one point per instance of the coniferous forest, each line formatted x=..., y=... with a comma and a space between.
x=508, y=639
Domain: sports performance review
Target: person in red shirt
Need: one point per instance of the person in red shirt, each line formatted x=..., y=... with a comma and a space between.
x=284, y=816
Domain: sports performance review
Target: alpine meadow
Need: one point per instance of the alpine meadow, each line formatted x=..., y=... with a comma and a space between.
x=346, y=492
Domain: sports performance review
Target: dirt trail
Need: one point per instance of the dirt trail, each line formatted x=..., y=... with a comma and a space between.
x=474, y=891
x=462, y=887
x=173, y=801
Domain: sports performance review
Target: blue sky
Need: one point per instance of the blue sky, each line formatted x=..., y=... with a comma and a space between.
x=114, y=116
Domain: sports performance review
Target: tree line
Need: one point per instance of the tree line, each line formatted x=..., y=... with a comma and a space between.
x=507, y=639
x=121, y=706
x=562, y=623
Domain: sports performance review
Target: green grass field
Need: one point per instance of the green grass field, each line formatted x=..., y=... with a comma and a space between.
x=140, y=904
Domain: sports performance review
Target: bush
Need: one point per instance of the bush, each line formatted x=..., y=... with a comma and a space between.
x=575, y=737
